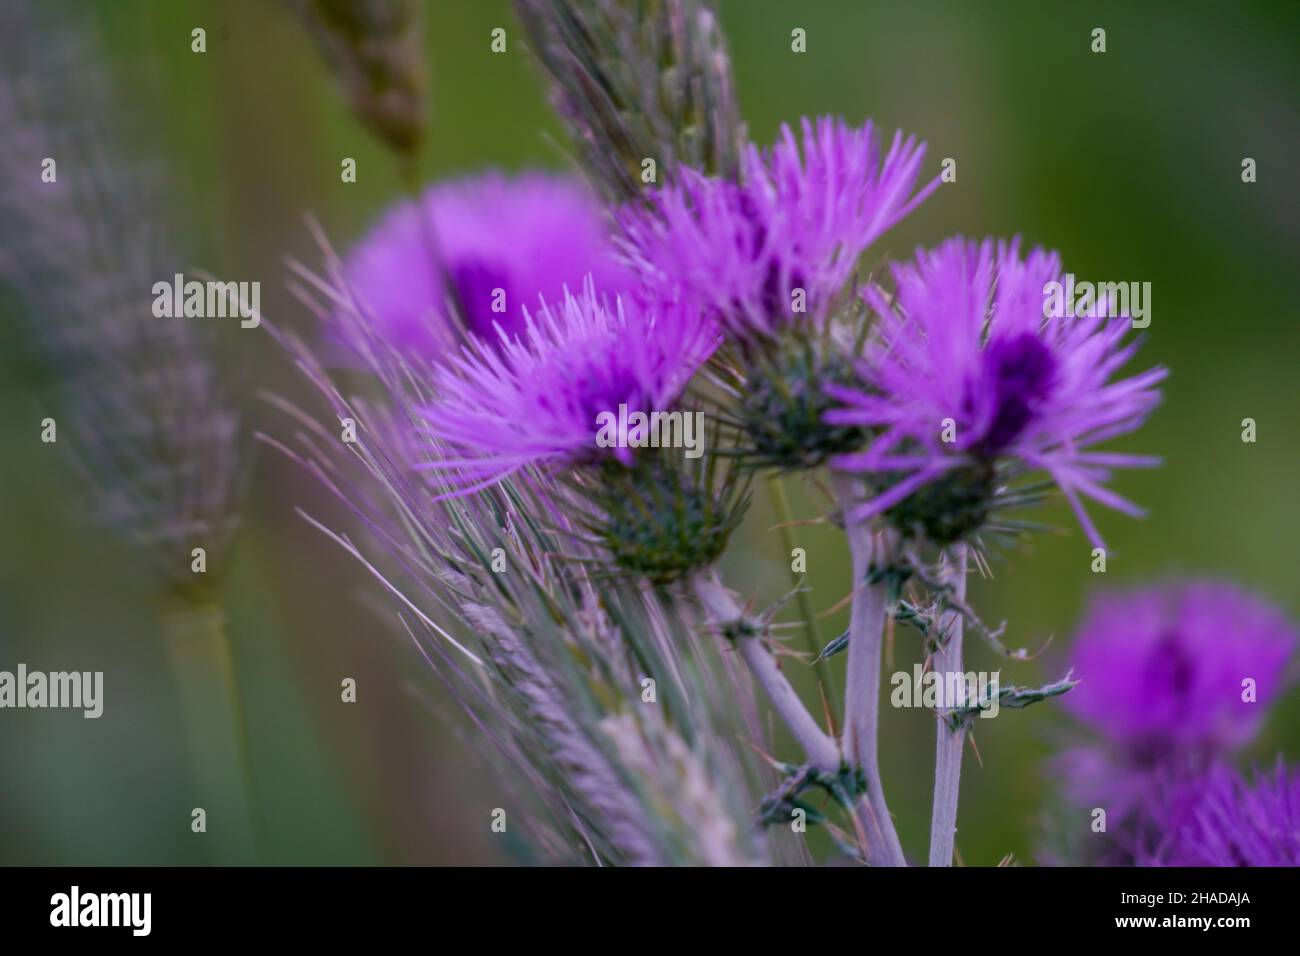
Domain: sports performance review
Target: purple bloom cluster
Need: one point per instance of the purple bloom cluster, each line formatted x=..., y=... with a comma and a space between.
x=534, y=398
x=1225, y=820
x=1174, y=680
x=491, y=246
x=1162, y=669
x=802, y=215
x=964, y=341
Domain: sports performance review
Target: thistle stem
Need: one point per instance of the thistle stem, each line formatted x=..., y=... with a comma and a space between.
x=862, y=686
x=818, y=746
x=812, y=637
x=948, y=742
x=202, y=666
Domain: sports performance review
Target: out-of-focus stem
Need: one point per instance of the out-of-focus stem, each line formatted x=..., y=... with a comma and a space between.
x=205, y=677
x=862, y=686
x=948, y=742
x=781, y=510
x=374, y=49
x=638, y=81
x=818, y=746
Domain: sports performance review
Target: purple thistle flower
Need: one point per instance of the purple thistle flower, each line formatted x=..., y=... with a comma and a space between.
x=534, y=399
x=1161, y=669
x=529, y=236
x=1220, y=819
x=965, y=339
x=1094, y=776
x=1161, y=674
x=800, y=218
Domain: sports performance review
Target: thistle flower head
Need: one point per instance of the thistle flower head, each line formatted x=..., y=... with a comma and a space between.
x=487, y=247
x=1222, y=819
x=547, y=661
x=1172, y=680
x=783, y=400
x=780, y=245
x=1166, y=670
x=664, y=518
x=968, y=384
x=537, y=399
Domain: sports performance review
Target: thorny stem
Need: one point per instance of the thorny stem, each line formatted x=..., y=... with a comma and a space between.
x=819, y=747
x=948, y=742
x=781, y=508
x=862, y=685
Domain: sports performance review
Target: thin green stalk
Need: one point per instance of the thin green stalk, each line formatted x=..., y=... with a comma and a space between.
x=812, y=636
x=203, y=668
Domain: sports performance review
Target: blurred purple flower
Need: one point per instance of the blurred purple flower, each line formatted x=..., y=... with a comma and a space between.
x=527, y=236
x=1161, y=669
x=534, y=400
x=1220, y=819
x=1161, y=674
x=1127, y=787
x=965, y=338
x=800, y=218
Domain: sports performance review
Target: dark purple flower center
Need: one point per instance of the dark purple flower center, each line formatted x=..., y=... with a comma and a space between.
x=597, y=387
x=602, y=391
x=1021, y=371
x=475, y=283
x=775, y=296
x=1171, y=672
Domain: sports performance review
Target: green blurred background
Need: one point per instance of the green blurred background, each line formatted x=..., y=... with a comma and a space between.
x=1128, y=162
